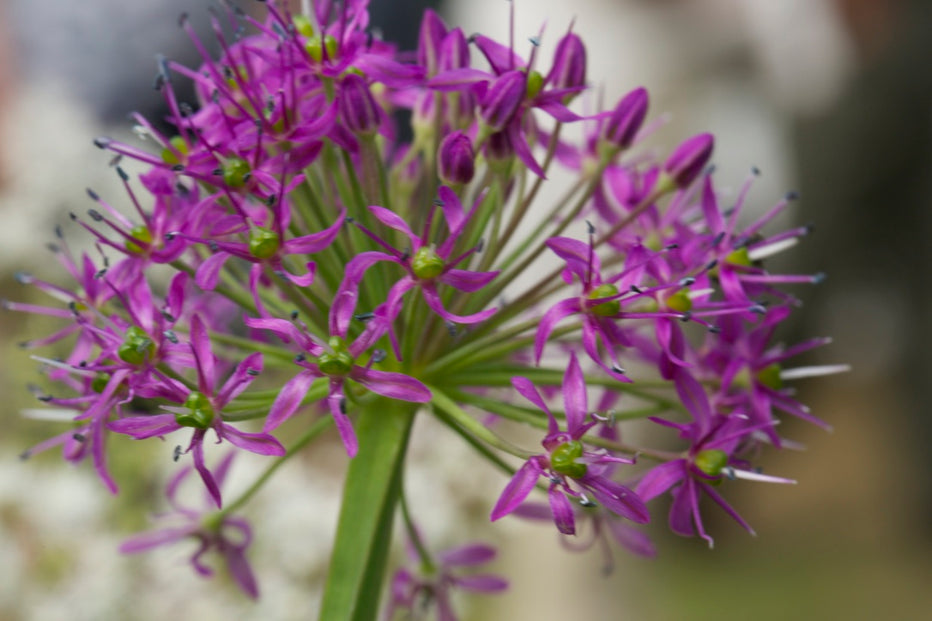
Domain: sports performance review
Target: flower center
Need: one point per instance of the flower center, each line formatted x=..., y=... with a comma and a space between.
x=427, y=264
x=679, y=302
x=136, y=347
x=769, y=376
x=143, y=234
x=235, y=172
x=563, y=459
x=338, y=361
x=200, y=412
x=263, y=243
x=605, y=309
x=711, y=461
x=169, y=156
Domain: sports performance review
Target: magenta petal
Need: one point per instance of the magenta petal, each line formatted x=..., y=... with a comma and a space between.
x=204, y=357
x=240, y=570
x=482, y=583
x=551, y=318
x=713, y=216
x=467, y=556
x=575, y=253
x=694, y=397
x=517, y=489
x=574, y=397
x=146, y=541
x=393, y=221
x=208, y=272
x=452, y=208
x=466, y=280
x=289, y=399
x=632, y=539
x=661, y=478
x=501, y=57
x=392, y=385
x=617, y=498
x=681, y=511
x=336, y=401
x=455, y=79
x=141, y=427
x=527, y=390
x=315, y=242
x=197, y=444
x=432, y=299
x=259, y=443
x=714, y=495
x=562, y=511
x=244, y=375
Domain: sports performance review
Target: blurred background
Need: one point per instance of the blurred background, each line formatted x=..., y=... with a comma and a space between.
x=830, y=98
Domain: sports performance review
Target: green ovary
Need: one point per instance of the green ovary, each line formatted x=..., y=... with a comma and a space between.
x=563, y=460
x=770, y=376
x=136, y=347
x=605, y=309
x=235, y=172
x=427, y=264
x=200, y=412
x=143, y=234
x=535, y=82
x=169, y=156
x=711, y=461
x=337, y=362
x=679, y=302
x=263, y=243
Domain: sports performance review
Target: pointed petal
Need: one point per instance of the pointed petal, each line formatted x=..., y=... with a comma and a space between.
x=289, y=399
x=203, y=356
x=246, y=371
x=574, y=397
x=259, y=443
x=661, y=478
x=392, y=385
x=551, y=318
x=466, y=280
x=562, y=511
x=617, y=498
x=517, y=489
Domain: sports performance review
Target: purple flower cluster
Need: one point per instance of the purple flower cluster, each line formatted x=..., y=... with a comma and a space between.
x=319, y=264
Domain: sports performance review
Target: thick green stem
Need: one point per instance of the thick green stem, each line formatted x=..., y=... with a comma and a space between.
x=373, y=483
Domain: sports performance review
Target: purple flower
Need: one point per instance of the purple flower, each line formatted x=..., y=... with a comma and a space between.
x=202, y=409
x=715, y=441
x=414, y=591
x=337, y=361
x=571, y=468
x=227, y=535
x=426, y=264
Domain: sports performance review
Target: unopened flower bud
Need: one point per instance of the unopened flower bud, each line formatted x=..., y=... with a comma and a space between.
x=358, y=108
x=626, y=119
x=569, y=63
x=498, y=148
x=454, y=51
x=457, y=159
x=688, y=160
x=502, y=99
x=430, y=38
